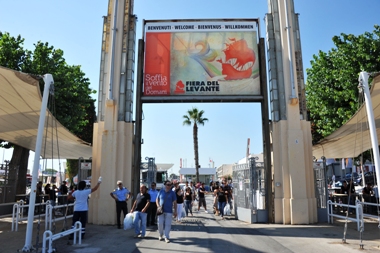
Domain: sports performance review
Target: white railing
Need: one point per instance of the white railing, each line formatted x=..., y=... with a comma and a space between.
x=368, y=215
x=50, y=218
x=358, y=213
x=18, y=213
x=49, y=236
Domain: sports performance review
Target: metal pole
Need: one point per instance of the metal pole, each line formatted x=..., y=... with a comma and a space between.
x=114, y=30
x=363, y=83
x=325, y=179
x=48, y=79
x=138, y=124
x=290, y=52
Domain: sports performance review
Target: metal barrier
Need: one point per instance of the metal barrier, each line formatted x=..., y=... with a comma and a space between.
x=18, y=213
x=49, y=236
x=49, y=215
x=367, y=214
x=358, y=211
x=249, y=191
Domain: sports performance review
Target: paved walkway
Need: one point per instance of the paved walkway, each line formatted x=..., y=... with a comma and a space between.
x=204, y=232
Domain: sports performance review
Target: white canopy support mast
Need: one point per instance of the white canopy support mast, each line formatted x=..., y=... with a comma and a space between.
x=363, y=85
x=48, y=79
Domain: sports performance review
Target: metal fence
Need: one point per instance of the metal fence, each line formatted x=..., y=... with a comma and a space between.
x=321, y=191
x=249, y=191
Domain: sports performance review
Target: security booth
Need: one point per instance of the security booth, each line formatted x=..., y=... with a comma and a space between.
x=249, y=191
x=84, y=170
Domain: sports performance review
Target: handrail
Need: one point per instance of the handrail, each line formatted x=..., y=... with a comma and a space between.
x=49, y=215
x=18, y=213
x=49, y=236
x=359, y=213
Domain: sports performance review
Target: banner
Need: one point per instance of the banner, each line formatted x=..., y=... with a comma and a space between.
x=201, y=58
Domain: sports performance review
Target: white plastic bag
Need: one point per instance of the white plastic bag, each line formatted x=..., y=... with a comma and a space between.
x=227, y=210
x=128, y=221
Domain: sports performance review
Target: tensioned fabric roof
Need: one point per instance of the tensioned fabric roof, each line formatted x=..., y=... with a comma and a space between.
x=353, y=138
x=20, y=105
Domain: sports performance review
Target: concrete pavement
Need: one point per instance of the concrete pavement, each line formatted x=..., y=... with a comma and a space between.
x=205, y=232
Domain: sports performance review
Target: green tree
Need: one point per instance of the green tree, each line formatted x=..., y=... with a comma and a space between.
x=74, y=107
x=195, y=117
x=332, y=80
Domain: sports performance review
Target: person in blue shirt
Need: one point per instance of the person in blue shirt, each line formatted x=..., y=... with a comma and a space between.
x=168, y=200
x=120, y=195
x=153, y=192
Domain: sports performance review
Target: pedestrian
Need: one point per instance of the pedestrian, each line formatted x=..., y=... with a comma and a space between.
x=215, y=200
x=47, y=192
x=152, y=210
x=63, y=191
x=222, y=200
x=186, y=185
x=81, y=204
x=168, y=200
x=53, y=195
x=179, y=193
x=192, y=189
x=120, y=195
x=188, y=200
x=139, y=209
x=228, y=191
x=201, y=196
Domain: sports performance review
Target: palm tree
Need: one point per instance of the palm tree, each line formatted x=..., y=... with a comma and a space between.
x=195, y=116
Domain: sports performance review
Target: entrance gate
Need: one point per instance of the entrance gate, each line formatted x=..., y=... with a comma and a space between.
x=181, y=61
x=249, y=191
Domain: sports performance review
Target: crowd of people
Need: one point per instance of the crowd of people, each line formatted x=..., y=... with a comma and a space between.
x=175, y=201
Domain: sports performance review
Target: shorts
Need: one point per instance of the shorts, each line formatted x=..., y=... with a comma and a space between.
x=202, y=201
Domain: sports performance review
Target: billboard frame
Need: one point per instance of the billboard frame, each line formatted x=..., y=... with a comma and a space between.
x=205, y=98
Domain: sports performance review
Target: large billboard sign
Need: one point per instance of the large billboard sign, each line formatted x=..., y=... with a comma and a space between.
x=201, y=58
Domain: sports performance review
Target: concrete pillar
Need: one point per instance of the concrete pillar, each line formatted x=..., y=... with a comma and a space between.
x=294, y=199
x=113, y=138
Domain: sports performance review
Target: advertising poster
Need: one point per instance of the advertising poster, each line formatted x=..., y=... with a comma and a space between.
x=201, y=58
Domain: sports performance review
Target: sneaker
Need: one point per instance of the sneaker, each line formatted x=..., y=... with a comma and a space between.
x=136, y=236
x=142, y=236
x=206, y=211
x=160, y=238
x=167, y=240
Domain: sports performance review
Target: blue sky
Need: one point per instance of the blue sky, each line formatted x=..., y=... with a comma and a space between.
x=76, y=28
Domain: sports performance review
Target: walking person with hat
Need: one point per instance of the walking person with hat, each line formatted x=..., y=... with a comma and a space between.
x=121, y=195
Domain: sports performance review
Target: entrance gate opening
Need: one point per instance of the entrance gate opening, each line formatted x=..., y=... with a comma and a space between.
x=190, y=61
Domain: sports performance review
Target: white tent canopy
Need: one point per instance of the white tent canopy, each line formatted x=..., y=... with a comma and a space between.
x=353, y=138
x=20, y=105
x=164, y=166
